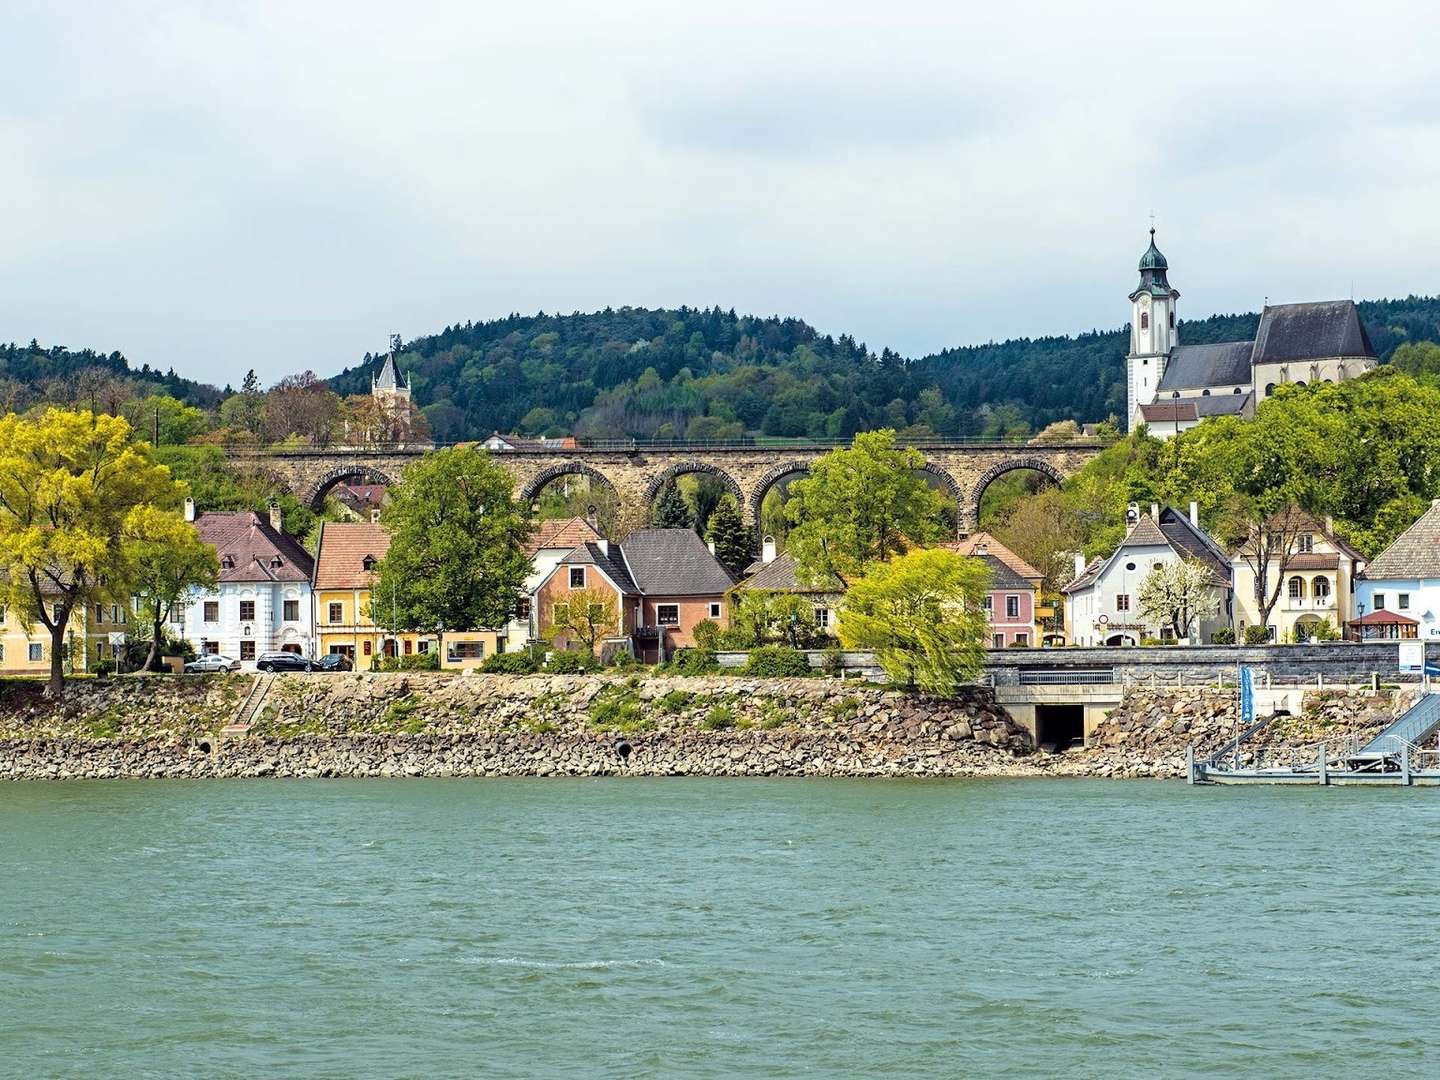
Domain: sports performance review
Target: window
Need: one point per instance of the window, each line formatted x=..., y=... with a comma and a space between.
x=1402, y=601
x=2, y=613
x=1022, y=638
x=577, y=577
x=1144, y=320
x=1129, y=566
x=1205, y=392
x=367, y=647
x=176, y=614
x=1236, y=390
x=37, y=652
x=1297, y=588
x=522, y=608
x=822, y=617
x=423, y=646
x=667, y=614
x=1172, y=318
x=58, y=612
x=292, y=611
x=408, y=646
x=99, y=612
x=247, y=612
x=1122, y=601
x=1306, y=543
x=997, y=641
x=714, y=611
x=335, y=613
x=208, y=648
x=276, y=562
x=1379, y=601
x=988, y=604
x=247, y=650
x=1012, y=607
x=212, y=611
x=1269, y=389
x=465, y=650
x=368, y=563
x=1320, y=588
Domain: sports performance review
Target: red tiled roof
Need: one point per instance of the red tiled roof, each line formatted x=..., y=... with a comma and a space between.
x=970, y=544
x=340, y=563
x=1384, y=618
x=255, y=549
x=563, y=533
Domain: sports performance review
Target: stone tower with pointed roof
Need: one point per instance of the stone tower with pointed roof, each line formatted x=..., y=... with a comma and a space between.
x=388, y=385
x=1153, y=331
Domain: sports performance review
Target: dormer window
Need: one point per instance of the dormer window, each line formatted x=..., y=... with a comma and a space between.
x=227, y=563
x=368, y=563
x=276, y=561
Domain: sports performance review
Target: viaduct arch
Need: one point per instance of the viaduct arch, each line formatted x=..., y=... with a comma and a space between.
x=636, y=472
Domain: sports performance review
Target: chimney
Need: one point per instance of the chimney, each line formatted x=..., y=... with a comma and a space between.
x=375, y=516
x=591, y=518
x=189, y=509
x=1194, y=513
x=982, y=549
x=1079, y=563
x=1329, y=525
x=604, y=546
x=711, y=545
x=1154, y=511
x=274, y=515
x=767, y=549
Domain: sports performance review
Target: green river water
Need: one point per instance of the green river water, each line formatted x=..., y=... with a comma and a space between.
x=716, y=928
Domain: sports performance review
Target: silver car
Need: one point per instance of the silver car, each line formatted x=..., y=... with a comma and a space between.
x=212, y=662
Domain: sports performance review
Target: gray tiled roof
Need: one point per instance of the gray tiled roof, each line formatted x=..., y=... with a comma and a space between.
x=592, y=554
x=1415, y=552
x=1174, y=531
x=389, y=377
x=1002, y=577
x=1193, y=367
x=1225, y=404
x=673, y=562
x=779, y=575
x=1311, y=332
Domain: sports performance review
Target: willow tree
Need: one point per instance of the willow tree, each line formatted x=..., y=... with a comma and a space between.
x=77, y=492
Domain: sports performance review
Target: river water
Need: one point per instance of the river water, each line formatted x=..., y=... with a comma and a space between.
x=716, y=928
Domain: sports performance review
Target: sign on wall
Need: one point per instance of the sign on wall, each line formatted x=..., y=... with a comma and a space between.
x=1412, y=655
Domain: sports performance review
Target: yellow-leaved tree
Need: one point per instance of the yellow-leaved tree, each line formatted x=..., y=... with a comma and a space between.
x=77, y=492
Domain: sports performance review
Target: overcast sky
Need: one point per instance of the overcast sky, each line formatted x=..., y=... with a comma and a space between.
x=219, y=185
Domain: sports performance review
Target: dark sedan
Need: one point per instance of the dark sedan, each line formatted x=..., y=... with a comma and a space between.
x=282, y=661
x=334, y=662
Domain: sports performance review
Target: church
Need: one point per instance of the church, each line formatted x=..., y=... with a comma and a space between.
x=1172, y=387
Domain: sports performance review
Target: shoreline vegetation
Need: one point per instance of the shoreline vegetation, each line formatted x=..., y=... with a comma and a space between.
x=449, y=725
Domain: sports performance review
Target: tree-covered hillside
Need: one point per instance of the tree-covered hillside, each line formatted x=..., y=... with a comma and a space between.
x=689, y=373
x=33, y=374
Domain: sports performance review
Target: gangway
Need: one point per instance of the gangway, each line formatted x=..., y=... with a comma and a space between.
x=1413, y=727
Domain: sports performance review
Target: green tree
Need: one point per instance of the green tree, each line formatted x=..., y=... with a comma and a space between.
x=859, y=505
x=177, y=422
x=584, y=617
x=457, y=544
x=1177, y=594
x=76, y=489
x=245, y=411
x=1418, y=359
x=921, y=614
x=671, y=510
x=734, y=543
x=168, y=564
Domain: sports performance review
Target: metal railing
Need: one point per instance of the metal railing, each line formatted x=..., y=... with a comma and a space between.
x=759, y=442
x=1097, y=676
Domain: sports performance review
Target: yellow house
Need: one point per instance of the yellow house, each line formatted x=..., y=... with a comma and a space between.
x=27, y=651
x=1317, y=580
x=345, y=623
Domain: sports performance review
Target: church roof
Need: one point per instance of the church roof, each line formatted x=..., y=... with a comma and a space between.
x=1192, y=367
x=1313, y=331
x=1152, y=259
x=389, y=377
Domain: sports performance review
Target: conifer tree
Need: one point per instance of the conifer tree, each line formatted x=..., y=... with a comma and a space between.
x=671, y=510
x=734, y=543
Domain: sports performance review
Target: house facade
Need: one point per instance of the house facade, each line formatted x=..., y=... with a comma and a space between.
x=262, y=601
x=1014, y=588
x=25, y=650
x=776, y=571
x=1172, y=387
x=1102, y=604
x=1397, y=595
x=656, y=587
x=1319, y=578
x=345, y=622
x=551, y=541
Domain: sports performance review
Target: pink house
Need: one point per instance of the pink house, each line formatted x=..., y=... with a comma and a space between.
x=1014, y=584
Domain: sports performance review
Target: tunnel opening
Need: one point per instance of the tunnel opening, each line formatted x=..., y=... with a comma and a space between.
x=1059, y=727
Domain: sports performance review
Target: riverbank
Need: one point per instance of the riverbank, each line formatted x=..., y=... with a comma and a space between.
x=442, y=725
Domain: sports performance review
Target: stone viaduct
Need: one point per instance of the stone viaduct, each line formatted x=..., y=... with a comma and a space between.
x=637, y=472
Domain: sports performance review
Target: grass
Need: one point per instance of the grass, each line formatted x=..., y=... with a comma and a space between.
x=617, y=708
x=845, y=710
x=401, y=716
x=676, y=701
x=719, y=718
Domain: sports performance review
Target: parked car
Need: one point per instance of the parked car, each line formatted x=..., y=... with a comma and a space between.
x=334, y=662
x=212, y=662
x=282, y=661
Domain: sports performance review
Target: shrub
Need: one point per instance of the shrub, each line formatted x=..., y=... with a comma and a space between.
x=1324, y=631
x=1256, y=635
x=693, y=662
x=675, y=701
x=1224, y=636
x=777, y=662
x=570, y=662
x=103, y=668
x=719, y=717
x=844, y=710
x=414, y=662
x=623, y=660
x=834, y=662
x=734, y=637
x=510, y=663
x=707, y=634
x=617, y=707
x=771, y=716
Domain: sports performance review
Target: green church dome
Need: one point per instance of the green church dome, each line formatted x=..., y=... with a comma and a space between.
x=1152, y=259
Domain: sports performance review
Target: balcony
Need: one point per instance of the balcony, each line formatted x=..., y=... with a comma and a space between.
x=1322, y=604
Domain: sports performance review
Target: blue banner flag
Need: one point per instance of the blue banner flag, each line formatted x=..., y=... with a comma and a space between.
x=1247, y=696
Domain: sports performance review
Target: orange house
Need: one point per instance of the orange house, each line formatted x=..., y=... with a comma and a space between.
x=659, y=584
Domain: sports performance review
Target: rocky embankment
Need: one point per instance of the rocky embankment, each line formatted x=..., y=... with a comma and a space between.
x=479, y=725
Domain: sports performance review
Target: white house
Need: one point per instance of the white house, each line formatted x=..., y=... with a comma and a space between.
x=1172, y=387
x=262, y=603
x=551, y=541
x=1102, y=604
x=1398, y=594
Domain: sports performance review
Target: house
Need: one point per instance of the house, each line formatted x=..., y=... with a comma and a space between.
x=1014, y=588
x=656, y=587
x=1102, y=603
x=1172, y=387
x=1319, y=581
x=25, y=650
x=496, y=442
x=345, y=560
x=777, y=572
x=262, y=602
x=551, y=541
x=365, y=501
x=1398, y=595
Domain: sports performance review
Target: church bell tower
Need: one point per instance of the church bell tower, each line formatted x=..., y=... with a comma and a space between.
x=1153, y=332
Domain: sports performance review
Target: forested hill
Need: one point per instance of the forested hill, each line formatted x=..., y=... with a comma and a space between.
x=30, y=374
x=713, y=374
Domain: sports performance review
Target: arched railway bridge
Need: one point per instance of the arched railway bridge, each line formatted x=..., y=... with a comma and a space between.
x=636, y=472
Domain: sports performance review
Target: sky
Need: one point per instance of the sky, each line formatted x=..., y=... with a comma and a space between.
x=216, y=186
